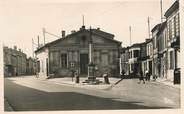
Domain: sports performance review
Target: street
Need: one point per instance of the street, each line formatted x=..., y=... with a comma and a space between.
x=31, y=94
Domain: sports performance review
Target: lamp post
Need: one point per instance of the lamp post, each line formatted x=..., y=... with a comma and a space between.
x=91, y=66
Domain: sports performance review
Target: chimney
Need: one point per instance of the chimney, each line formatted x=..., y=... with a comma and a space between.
x=63, y=33
x=15, y=47
x=98, y=28
x=82, y=28
x=73, y=31
x=147, y=40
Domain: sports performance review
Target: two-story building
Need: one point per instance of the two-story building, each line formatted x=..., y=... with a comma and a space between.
x=72, y=52
x=156, y=62
x=31, y=66
x=14, y=61
x=162, y=50
x=173, y=41
x=149, y=55
x=134, y=59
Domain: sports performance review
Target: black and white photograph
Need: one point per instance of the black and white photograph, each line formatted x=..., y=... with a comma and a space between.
x=91, y=55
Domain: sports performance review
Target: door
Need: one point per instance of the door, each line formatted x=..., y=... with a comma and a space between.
x=150, y=67
x=84, y=63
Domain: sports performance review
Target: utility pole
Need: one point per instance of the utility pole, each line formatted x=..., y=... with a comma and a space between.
x=82, y=20
x=38, y=41
x=130, y=30
x=161, y=10
x=44, y=35
x=148, y=27
x=33, y=47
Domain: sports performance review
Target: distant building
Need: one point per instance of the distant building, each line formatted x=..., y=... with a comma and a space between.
x=143, y=57
x=162, y=50
x=31, y=66
x=124, y=60
x=156, y=62
x=134, y=56
x=149, y=55
x=71, y=52
x=14, y=62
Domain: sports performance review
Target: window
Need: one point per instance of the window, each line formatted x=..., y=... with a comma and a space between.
x=38, y=66
x=170, y=30
x=54, y=58
x=174, y=23
x=177, y=25
x=136, y=53
x=104, y=59
x=63, y=60
x=171, y=60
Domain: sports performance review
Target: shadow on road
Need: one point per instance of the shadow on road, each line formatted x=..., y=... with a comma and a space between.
x=23, y=98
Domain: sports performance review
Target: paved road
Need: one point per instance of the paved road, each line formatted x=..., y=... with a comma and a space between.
x=27, y=94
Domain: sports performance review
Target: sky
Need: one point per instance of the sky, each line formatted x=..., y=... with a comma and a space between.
x=23, y=20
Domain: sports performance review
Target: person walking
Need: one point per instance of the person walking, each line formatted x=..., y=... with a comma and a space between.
x=122, y=74
x=146, y=73
x=141, y=77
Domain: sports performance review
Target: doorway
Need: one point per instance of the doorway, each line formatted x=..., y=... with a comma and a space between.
x=84, y=63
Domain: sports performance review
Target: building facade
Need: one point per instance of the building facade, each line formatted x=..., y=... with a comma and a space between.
x=173, y=39
x=162, y=50
x=124, y=60
x=14, y=62
x=134, y=59
x=149, y=55
x=71, y=52
x=156, y=62
x=31, y=66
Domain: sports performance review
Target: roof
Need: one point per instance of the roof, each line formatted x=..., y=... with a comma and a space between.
x=94, y=31
x=162, y=27
x=137, y=45
x=174, y=7
x=156, y=27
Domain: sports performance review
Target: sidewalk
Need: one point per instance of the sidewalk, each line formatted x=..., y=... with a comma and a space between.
x=168, y=83
x=68, y=81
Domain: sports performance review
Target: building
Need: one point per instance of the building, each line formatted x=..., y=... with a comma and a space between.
x=71, y=52
x=31, y=66
x=14, y=62
x=162, y=50
x=124, y=60
x=156, y=62
x=134, y=59
x=149, y=55
x=173, y=39
x=143, y=56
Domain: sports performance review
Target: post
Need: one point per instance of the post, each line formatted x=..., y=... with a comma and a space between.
x=148, y=27
x=33, y=47
x=82, y=20
x=44, y=35
x=38, y=41
x=161, y=10
x=130, y=30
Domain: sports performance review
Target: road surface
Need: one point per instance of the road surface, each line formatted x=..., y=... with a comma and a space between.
x=31, y=94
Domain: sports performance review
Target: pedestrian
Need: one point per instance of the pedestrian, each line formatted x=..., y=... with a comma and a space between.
x=149, y=75
x=122, y=74
x=146, y=73
x=154, y=77
x=141, y=77
x=106, y=78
